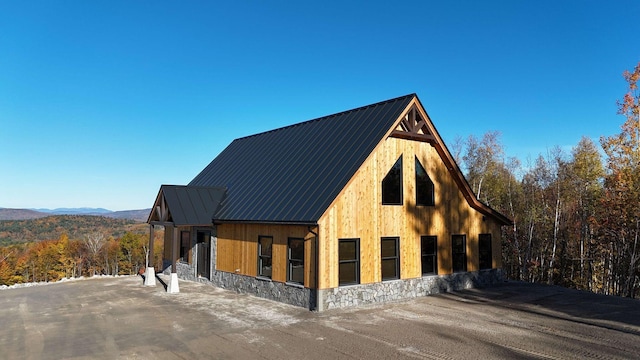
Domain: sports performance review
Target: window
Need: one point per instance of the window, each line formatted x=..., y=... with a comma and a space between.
x=429, y=252
x=185, y=245
x=349, y=261
x=392, y=185
x=459, y=252
x=265, y=244
x=424, y=187
x=390, y=255
x=296, y=261
x=484, y=249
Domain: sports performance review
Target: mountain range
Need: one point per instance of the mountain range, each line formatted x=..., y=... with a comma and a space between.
x=26, y=214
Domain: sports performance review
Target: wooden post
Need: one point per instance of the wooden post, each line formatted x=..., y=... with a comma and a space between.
x=173, y=287
x=151, y=241
x=150, y=272
x=174, y=250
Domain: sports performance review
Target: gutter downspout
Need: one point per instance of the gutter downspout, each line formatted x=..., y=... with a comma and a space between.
x=317, y=266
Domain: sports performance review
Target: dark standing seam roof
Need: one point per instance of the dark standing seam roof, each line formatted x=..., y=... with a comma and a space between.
x=192, y=205
x=292, y=174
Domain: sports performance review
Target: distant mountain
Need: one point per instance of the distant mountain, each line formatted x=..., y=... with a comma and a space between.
x=27, y=214
x=21, y=214
x=75, y=211
x=139, y=215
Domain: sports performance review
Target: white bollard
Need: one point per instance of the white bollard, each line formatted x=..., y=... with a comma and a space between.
x=150, y=277
x=172, y=286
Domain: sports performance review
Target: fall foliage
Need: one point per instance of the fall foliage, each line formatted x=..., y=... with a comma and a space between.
x=576, y=216
x=52, y=260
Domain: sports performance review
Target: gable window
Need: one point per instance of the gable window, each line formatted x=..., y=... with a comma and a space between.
x=484, y=250
x=424, y=187
x=392, y=185
x=265, y=245
x=390, y=255
x=295, y=272
x=459, y=252
x=348, y=261
x=429, y=252
x=185, y=245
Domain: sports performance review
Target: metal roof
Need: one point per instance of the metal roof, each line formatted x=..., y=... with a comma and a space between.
x=188, y=205
x=292, y=174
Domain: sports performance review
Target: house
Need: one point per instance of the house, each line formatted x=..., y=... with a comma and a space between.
x=358, y=207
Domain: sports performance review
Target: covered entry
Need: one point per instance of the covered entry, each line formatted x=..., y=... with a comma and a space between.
x=186, y=213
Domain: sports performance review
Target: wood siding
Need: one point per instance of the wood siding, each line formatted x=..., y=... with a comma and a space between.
x=237, y=249
x=358, y=212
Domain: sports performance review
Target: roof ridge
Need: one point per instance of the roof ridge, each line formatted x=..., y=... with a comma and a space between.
x=328, y=116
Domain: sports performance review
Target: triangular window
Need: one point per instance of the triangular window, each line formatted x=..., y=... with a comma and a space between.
x=425, y=191
x=392, y=185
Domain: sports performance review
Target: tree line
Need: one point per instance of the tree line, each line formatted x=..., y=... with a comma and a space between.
x=75, y=226
x=94, y=253
x=576, y=215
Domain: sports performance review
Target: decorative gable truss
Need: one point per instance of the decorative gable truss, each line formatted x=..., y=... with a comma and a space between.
x=161, y=211
x=413, y=126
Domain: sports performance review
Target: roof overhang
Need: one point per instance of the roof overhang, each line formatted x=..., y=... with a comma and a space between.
x=179, y=205
x=266, y=222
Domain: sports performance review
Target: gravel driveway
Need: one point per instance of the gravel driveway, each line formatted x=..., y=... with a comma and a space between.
x=118, y=318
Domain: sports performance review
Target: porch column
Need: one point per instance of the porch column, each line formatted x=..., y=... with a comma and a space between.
x=150, y=273
x=172, y=287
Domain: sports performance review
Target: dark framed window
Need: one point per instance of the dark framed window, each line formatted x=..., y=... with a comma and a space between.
x=392, y=185
x=429, y=254
x=425, y=190
x=348, y=261
x=265, y=249
x=484, y=250
x=390, y=258
x=295, y=272
x=185, y=245
x=459, y=252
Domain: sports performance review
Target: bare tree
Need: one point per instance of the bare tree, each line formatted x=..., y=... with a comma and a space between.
x=94, y=242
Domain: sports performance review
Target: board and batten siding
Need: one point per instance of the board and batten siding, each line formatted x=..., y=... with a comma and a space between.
x=237, y=249
x=358, y=212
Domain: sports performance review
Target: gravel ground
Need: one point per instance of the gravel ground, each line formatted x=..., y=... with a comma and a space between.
x=118, y=318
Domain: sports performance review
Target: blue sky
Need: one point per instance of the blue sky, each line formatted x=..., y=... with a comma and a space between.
x=101, y=102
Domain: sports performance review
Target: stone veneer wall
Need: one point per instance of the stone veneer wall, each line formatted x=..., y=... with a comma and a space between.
x=287, y=293
x=348, y=296
x=264, y=288
x=344, y=296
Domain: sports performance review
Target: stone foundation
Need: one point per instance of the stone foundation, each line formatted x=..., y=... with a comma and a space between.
x=344, y=296
x=355, y=295
x=291, y=294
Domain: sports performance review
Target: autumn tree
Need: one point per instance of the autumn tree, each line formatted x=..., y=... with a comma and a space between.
x=621, y=213
x=585, y=171
x=132, y=247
